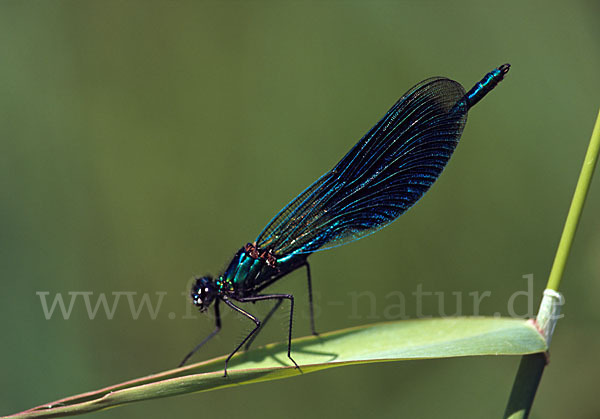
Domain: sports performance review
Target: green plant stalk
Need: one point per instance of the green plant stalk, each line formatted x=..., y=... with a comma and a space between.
x=526, y=383
x=532, y=366
x=581, y=190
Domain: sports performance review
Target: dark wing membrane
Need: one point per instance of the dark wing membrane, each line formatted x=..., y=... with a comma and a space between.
x=380, y=178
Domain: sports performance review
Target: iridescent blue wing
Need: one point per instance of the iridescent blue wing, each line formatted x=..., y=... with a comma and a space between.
x=380, y=178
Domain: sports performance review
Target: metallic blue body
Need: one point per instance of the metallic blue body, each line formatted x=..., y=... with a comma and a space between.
x=243, y=269
x=486, y=84
x=247, y=275
x=379, y=179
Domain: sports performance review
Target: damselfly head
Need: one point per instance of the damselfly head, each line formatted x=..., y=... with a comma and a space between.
x=203, y=292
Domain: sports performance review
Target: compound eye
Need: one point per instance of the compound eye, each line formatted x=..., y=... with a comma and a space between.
x=196, y=298
x=203, y=293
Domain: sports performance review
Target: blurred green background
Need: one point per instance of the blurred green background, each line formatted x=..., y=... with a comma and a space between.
x=142, y=143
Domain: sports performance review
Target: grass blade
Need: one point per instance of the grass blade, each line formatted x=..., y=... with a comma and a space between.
x=394, y=341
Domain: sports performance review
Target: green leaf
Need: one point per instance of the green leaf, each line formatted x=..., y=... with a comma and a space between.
x=394, y=341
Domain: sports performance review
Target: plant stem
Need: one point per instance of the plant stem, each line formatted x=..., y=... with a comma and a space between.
x=532, y=366
x=583, y=184
x=525, y=386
